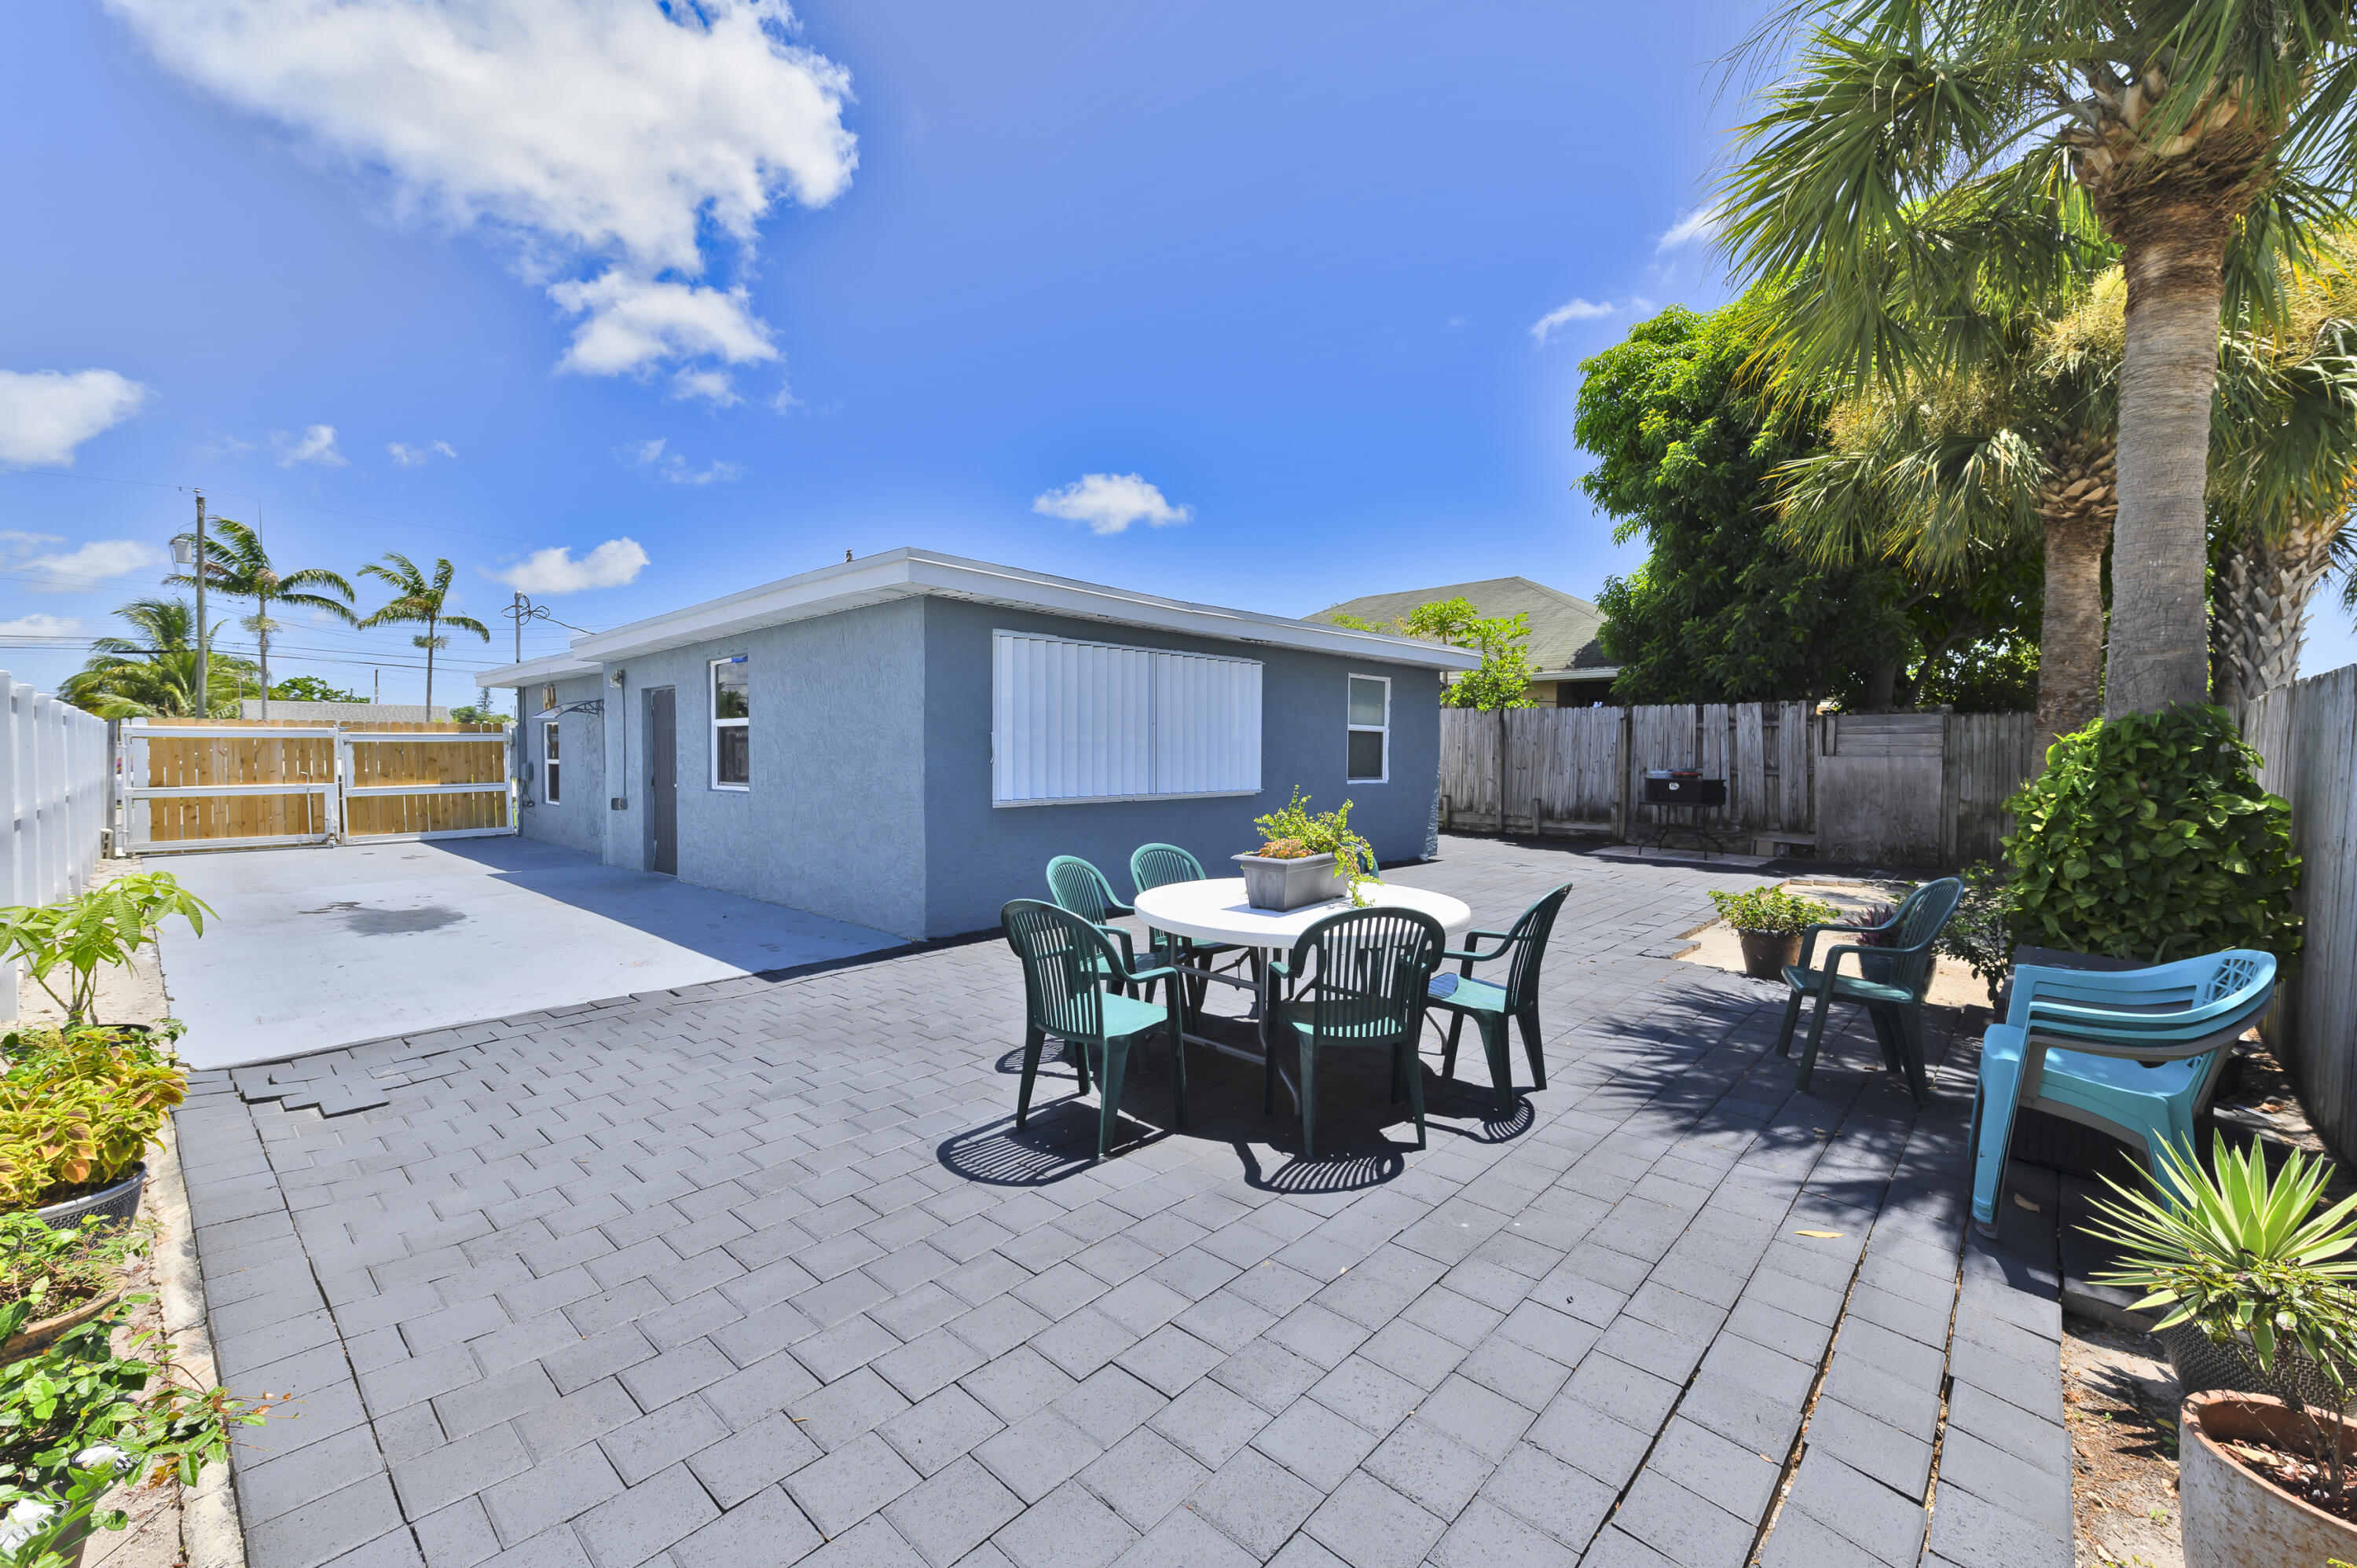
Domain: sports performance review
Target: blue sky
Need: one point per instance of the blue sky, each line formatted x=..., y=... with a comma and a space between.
x=913, y=274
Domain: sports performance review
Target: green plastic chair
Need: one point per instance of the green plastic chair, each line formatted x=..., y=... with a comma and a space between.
x=1159, y=865
x=2134, y=1052
x=1890, y=984
x=1365, y=992
x=1490, y=1005
x=1065, y=996
x=1080, y=887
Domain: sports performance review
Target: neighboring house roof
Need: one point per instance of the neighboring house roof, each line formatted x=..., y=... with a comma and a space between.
x=909, y=573
x=1563, y=626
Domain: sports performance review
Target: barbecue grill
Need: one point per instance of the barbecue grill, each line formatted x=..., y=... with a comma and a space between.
x=1677, y=789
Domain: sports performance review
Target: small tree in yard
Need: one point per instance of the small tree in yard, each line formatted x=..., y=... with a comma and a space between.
x=1503, y=680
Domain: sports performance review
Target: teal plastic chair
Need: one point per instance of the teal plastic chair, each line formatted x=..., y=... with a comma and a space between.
x=1158, y=865
x=1080, y=887
x=1366, y=990
x=1065, y=996
x=1490, y=1005
x=2134, y=1052
x=1889, y=985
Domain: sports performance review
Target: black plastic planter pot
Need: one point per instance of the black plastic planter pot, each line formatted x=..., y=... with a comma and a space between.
x=118, y=1204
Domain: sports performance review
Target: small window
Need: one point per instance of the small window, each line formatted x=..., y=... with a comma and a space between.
x=1371, y=725
x=548, y=762
x=547, y=698
x=732, y=755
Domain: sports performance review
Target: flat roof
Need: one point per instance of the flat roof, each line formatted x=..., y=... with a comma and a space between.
x=909, y=573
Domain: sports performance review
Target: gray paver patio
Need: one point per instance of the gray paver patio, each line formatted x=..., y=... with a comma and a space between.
x=759, y=1270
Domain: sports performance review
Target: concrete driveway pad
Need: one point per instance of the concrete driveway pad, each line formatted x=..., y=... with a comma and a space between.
x=314, y=949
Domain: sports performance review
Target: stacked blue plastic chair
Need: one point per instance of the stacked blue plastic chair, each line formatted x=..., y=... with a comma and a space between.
x=2135, y=1053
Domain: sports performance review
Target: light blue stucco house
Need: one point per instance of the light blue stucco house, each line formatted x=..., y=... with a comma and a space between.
x=903, y=741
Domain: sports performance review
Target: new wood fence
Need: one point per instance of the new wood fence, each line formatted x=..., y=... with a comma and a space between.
x=2306, y=734
x=1901, y=789
x=240, y=784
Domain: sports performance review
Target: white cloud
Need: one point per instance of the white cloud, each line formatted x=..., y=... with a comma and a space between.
x=41, y=625
x=1111, y=502
x=315, y=445
x=713, y=386
x=93, y=563
x=606, y=139
x=1563, y=316
x=45, y=415
x=656, y=455
x=633, y=323
x=15, y=539
x=418, y=457
x=610, y=565
x=1702, y=223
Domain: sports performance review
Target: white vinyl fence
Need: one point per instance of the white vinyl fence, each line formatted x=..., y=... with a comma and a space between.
x=56, y=782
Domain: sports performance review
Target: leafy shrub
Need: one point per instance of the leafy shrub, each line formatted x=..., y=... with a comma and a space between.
x=1980, y=933
x=1773, y=912
x=101, y=928
x=78, y=1108
x=2147, y=837
x=47, y=1271
x=1305, y=833
x=79, y=1418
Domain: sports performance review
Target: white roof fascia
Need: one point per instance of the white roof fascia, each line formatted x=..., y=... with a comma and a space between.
x=909, y=573
x=554, y=667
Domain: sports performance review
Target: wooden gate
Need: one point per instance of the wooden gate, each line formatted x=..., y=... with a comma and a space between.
x=231, y=784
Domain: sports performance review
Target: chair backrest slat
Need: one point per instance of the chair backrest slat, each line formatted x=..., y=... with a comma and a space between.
x=1368, y=986
x=1159, y=865
x=1920, y=919
x=1076, y=885
x=1059, y=952
x=1530, y=935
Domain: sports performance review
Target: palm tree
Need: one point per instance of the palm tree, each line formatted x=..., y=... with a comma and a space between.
x=238, y=565
x=153, y=674
x=419, y=601
x=1964, y=143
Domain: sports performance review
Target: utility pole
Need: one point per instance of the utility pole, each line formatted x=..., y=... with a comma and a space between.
x=376, y=687
x=190, y=553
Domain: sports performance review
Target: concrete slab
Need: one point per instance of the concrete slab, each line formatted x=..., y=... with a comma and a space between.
x=319, y=948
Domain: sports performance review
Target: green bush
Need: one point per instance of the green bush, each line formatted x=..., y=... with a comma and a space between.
x=2147, y=837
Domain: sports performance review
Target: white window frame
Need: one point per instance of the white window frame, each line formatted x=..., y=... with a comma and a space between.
x=711, y=704
x=552, y=757
x=1144, y=669
x=1384, y=729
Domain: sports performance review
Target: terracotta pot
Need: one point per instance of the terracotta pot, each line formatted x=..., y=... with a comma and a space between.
x=2231, y=1518
x=35, y=1337
x=1765, y=953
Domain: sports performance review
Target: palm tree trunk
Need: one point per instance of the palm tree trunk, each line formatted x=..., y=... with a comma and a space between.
x=262, y=636
x=2174, y=257
x=2077, y=508
x=2260, y=603
x=429, y=669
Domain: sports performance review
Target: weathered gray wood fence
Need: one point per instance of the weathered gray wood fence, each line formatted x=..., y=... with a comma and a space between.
x=1897, y=789
x=2306, y=734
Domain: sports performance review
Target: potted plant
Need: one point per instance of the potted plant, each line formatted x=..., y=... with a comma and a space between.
x=54, y=1278
x=1769, y=923
x=101, y=928
x=78, y=1108
x=1305, y=857
x=2242, y=1259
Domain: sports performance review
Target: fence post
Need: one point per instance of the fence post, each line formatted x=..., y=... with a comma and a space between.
x=1622, y=764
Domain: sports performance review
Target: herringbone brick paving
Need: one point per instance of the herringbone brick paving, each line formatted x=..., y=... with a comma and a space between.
x=761, y=1272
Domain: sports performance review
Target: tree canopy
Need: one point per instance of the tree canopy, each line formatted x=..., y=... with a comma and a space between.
x=1725, y=609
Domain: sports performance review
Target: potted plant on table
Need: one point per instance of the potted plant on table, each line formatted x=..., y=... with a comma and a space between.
x=1769, y=923
x=2250, y=1273
x=1305, y=857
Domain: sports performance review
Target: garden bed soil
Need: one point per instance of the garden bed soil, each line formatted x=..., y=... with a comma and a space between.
x=2119, y=1403
x=1953, y=984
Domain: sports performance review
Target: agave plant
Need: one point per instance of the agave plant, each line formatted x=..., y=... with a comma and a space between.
x=2245, y=1256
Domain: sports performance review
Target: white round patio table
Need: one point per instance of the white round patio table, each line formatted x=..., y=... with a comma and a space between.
x=1215, y=910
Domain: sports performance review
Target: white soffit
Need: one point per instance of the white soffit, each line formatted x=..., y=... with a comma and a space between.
x=908, y=573
x=554, y=667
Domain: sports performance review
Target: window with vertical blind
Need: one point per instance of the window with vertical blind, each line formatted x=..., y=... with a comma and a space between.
x=1092, y=721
